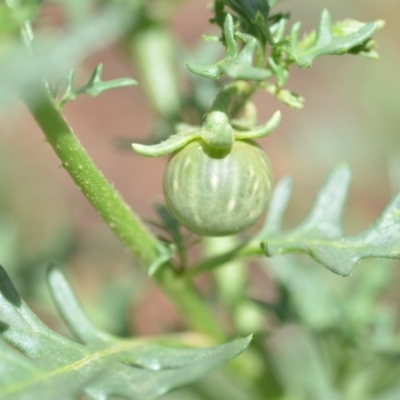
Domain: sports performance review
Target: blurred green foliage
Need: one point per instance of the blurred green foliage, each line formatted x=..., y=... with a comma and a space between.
x=317, y=336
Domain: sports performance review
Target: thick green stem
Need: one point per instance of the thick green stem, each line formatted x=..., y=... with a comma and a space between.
x=115, y=212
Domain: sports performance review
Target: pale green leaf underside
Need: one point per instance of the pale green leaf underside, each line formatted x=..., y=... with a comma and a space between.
x=16, y=370
x=50, y=366
x=131, y=370
x=326, y=42
x=320, y=235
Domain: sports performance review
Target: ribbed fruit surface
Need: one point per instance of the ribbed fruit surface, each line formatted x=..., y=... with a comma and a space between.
x=217, y=196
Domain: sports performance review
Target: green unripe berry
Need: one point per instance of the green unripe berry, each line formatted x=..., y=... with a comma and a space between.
x=218, y=192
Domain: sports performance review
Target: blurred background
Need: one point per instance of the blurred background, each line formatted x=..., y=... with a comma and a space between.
x=351, y=114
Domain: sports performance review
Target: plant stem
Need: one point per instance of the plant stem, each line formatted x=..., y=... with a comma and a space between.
x=115, y=212
x=242, y=251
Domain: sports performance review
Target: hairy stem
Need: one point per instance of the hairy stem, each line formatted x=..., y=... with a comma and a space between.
x=114, y=211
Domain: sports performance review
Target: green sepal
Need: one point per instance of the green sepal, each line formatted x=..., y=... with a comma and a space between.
x=343, y=37
x=173, y=143
x=217, y=132
x=320, y=235
x=262, y=130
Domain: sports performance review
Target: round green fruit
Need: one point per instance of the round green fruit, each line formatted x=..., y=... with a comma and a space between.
x=215, y=193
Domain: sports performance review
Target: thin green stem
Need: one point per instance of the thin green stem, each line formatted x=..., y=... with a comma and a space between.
x=242, y=251
x=115, y=212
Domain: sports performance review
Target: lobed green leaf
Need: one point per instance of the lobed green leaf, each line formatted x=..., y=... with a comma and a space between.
x=343, y=37
x=321, y=236
x=94, y=87
x=238, y=63
x=48, y=365
x=18, y=71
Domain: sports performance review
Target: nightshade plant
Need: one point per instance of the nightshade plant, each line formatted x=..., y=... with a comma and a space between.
x=218, y=183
